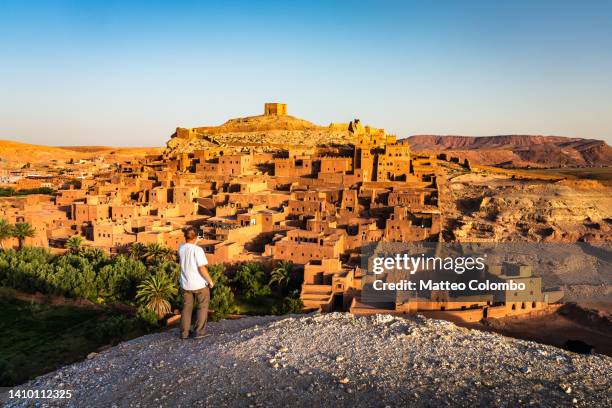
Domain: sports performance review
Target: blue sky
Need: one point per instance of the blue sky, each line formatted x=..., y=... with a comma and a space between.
x=127, y=73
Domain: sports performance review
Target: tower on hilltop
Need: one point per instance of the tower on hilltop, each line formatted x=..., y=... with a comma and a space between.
x=275, y=109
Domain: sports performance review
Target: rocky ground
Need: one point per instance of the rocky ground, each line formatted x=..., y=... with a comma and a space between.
x=332, y=360
x=499, y=208
x=261, y=132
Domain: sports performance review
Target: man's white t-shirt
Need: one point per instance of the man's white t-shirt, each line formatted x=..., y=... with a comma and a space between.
x=191, y=257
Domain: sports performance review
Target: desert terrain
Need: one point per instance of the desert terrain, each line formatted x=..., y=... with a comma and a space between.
x=16, y=154
x=563, y=227
x=500, y=207
x=519, y=151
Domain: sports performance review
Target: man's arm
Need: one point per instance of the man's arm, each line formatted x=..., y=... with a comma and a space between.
x=204, y=272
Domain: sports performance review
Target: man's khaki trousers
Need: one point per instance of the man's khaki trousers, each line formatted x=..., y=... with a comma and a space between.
x=202, y=297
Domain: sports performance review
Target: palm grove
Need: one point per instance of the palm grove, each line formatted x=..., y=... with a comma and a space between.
x=143, y=277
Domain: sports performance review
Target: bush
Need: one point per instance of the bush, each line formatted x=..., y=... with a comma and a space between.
x=251, y=281
x=222, y=301
x=9, y=371
x=217, y=273
x=89, y=274
x=119, y=279
x=288, y=305
x=115, y=328
x=147, y=317
x=96, y=257
x=10, y=192
x=74, y=276
x=27, y=269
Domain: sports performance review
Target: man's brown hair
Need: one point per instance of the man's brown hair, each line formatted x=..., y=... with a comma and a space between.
x=190, y=233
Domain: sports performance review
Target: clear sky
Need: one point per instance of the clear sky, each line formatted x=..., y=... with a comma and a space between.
x=127, y=73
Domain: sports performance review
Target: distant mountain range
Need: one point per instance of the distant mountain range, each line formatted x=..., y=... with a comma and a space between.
x=504, y=151
x=519, y=150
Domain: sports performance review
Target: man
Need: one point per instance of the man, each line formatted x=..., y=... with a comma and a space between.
x=195, y=283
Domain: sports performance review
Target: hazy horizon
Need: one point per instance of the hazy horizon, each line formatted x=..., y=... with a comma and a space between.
x=116, y=74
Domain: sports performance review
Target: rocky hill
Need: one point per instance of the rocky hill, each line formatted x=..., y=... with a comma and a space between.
x=499, y=208
x=260, y=123
x=261, y=131
x=333, y=360
x=520, y=150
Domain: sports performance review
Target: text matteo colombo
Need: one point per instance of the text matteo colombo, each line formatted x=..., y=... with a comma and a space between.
x=412, y=264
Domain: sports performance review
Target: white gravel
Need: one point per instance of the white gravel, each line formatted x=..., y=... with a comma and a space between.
x=332, y=360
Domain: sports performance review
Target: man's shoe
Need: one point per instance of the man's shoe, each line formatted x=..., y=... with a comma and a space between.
x=200, y=336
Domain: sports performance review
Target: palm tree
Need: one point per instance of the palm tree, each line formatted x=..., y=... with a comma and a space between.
x=6, y=231
x=156, y=254
x=155, y=293
x=251, y=280
x=137, y=250
x=95, y=255
x=281, y=275
x=74, y=244
x=23, y=230
x=170, y=255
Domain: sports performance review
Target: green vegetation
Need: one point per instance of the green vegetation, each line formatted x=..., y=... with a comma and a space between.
x=254, y=287
x=281, y=275
x=251, y=281
x=11, y=192
x=89, y=274
x=128, y=294
x=38, y=338
x=289, y=304
x=156, y=254
x=146, y=276
x=137, y=250
x=6, y=231
x=21, y=231
x=74, y=244
x=156, y=292
x=222, y=300
x=258, y=306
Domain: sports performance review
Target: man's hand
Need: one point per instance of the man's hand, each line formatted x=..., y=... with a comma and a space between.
x=204, y=272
